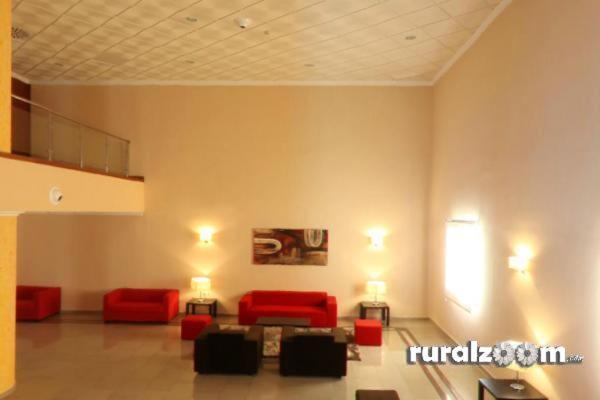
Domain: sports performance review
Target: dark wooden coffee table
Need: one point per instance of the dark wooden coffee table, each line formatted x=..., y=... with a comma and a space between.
x=281, y=321
x=500, y=389
x=377, y=395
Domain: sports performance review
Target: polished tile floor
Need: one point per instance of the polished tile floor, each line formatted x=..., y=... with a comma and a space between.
x=75, y=356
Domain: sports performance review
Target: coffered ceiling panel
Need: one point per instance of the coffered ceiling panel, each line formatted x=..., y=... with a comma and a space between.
x=241, y=40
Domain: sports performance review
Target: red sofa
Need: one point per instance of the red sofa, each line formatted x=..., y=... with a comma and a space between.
x=35, y=303
x=141, y=305
x=318, y=306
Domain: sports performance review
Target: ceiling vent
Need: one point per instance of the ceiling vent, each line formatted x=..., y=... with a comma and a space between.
x=18, y=33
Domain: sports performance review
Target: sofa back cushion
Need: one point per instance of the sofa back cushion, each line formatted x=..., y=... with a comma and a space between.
x=27, y=292
x=143, y=295
x=288, y=298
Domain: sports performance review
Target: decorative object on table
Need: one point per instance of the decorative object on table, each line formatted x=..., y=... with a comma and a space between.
x=377, y=289
x=141, y=305
x=193, y=325
x=290, y=246
x=370, y=305
x=368, y=332
x=201, y=284
x=35, y=303
x=228, y=351
x=320, y=308
x=500, y=389
x=272, y=339
x=190, y=306
x=309, y=353
x=376, y=395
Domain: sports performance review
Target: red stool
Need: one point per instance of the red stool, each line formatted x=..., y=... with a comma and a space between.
x=193, y=325
x=367, y=332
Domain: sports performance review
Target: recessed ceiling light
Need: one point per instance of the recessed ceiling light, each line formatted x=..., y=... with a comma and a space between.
x=410, y=37
x=191, y=19
x=243, y=22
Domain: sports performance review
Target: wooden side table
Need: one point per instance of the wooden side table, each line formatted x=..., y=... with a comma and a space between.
x=371, y=305
x=190, y=306
x=500, y=390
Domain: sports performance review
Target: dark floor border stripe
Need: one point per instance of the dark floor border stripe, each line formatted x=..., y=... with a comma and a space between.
x=436, y=386
x=436, y=368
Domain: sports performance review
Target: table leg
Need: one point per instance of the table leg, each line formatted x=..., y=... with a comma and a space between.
x=387, y=312
x=187, y=309
x=480, y=392
x=215, y=310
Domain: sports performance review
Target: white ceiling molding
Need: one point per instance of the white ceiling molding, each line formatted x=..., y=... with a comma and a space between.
x=231, y=83
x=472, y=40
x=21, y=78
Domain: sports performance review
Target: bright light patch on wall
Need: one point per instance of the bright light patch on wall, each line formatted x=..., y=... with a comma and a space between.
x=464, y=264
x=376, y=236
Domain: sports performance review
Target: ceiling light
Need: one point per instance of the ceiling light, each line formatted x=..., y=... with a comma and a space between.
x=191, y=19
x=410, y=37
x=243, y=22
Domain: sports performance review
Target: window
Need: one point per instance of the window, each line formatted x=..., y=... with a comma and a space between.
x=464, y=263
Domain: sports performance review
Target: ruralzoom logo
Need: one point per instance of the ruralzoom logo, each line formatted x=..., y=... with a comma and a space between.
x=502, y=354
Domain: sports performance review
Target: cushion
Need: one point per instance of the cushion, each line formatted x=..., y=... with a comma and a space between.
x=289, y=298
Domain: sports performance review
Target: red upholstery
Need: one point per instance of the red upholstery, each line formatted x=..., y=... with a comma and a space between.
x=193, y=325
x=141, y=305
x=35, y=303
x=320, y=308
x=367, y=332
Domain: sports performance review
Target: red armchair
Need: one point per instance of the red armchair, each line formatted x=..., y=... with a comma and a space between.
x=141, y=305
x=34, y=303
x=320, y=308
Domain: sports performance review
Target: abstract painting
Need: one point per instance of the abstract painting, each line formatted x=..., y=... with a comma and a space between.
x=290, y=246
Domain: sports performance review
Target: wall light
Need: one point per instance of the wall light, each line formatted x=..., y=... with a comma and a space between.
x=520, y=261
x=206, y=235
x=376, y=236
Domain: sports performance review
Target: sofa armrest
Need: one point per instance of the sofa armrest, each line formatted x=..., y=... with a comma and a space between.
x=245, y=302
x=287, y=333
x=255, y=334
x=331, y=311
x=171, y=303
x=47, y=300
x=112, y=297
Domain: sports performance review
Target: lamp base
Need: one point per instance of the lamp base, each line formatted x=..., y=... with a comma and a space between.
x=517, y=386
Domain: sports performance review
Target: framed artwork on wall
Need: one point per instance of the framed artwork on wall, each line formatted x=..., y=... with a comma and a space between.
x=290, y=246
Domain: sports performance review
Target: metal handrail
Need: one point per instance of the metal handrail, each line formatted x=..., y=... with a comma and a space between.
x=14, y=96
x=81, y=126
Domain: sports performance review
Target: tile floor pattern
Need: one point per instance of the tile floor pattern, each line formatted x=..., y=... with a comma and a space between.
x=81, y=358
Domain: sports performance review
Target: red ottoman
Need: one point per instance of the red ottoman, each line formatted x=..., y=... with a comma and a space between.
x=193, y=325
x=367, y=332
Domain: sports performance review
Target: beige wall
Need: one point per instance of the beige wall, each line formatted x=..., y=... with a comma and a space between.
x=83, y=192
x=517, y=142
x=236, y=158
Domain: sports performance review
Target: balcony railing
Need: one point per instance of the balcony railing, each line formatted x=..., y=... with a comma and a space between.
x=42, y=133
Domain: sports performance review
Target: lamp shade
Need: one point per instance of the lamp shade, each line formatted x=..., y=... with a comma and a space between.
x=376, y=287
x=201, y=283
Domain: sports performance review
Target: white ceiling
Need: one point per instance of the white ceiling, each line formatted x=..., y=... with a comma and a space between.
x=288, y=40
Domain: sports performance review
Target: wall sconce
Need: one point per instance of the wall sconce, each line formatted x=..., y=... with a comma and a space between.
x=520, y=261
x=206, y=235
x=376, y=238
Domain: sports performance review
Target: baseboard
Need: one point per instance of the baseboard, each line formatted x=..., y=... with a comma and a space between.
x=8, y=392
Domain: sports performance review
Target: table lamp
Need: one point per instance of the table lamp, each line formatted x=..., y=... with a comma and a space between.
x=376, y=288
x=202, y=285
